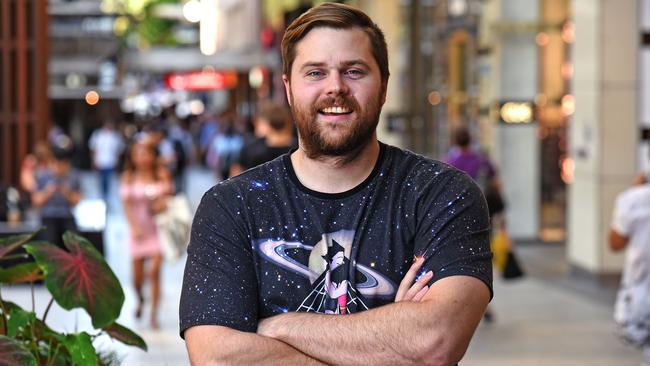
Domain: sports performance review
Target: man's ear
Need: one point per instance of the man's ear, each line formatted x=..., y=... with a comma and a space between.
x=384, y=91
x=287, y=87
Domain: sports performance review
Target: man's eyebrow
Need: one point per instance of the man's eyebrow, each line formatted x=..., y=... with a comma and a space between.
x=349, y=63
x=358, y=62
x=311, y=64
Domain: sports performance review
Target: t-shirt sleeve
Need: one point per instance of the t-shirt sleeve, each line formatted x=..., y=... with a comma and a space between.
x=453, y=229
x=621, y=219
x=220, y=282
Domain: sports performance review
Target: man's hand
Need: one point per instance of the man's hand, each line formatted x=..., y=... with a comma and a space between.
x=406, y=292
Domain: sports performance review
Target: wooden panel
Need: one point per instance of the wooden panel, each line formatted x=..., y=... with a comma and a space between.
x=24, y=107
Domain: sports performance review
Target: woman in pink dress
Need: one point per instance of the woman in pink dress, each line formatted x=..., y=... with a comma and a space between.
x=145, y=186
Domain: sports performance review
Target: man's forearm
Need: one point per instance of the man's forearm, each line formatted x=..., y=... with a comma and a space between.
x=435, y=331
x=231, y=347
x=394, y=334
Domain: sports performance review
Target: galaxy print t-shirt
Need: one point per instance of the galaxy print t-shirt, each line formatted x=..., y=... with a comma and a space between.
x=263, y=244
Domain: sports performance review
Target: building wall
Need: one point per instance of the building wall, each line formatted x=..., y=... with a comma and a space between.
x=388, y=15
x=604, y=128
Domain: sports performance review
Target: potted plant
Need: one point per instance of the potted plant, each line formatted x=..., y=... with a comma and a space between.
x=78, y=277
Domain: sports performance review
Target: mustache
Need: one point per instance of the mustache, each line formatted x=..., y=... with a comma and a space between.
x=345, y=102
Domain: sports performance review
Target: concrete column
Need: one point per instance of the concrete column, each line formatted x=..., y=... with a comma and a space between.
x=604, y=127
x=388, y=15
x=517, y=148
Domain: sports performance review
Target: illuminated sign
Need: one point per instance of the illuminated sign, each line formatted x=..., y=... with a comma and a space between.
x=516, y=112
x=202, y=80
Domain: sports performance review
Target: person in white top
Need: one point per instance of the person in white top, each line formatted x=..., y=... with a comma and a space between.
x=106, y=145
x=631, y=229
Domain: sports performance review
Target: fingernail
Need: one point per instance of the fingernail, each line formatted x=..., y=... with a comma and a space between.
x=430, y=273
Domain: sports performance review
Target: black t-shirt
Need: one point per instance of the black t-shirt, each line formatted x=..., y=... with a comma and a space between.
x=257, y=152
x=263, y=244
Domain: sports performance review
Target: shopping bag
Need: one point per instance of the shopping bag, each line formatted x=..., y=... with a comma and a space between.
x=500, y=246
x=512, y=268
x=173, y=225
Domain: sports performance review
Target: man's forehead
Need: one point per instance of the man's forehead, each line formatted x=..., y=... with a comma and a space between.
x=342, y=46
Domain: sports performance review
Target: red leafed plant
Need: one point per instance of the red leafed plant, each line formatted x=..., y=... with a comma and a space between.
x=78, y=277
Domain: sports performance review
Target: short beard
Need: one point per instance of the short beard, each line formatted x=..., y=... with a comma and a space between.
x=346, y=148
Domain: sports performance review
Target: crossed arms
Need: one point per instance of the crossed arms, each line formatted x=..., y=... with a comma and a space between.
x=426, y=325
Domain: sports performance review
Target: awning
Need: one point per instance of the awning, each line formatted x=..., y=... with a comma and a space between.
x=163, y=60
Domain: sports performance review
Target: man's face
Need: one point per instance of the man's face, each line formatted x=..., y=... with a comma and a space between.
x=335, y=92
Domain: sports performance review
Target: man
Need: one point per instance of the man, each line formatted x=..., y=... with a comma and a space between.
x=273, y=124
x=631, y=228
x=333, y=228
x=106, y=145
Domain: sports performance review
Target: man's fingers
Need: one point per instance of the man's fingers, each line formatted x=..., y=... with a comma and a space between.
x=417, y=286
x=423, y=291
x=409, y=278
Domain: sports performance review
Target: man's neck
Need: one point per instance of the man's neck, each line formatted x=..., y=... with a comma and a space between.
x=328, y=175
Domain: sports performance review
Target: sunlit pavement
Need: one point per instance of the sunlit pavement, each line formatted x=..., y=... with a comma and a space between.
x=545, y=319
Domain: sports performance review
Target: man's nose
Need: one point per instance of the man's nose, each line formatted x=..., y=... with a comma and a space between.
x=336, y=84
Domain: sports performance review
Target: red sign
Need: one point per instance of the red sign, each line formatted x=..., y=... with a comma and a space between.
x=202, y=80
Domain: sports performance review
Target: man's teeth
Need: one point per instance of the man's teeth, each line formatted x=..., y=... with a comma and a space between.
x=336, y=110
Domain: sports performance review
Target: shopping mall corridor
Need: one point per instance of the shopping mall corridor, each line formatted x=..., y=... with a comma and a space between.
x=547, y=318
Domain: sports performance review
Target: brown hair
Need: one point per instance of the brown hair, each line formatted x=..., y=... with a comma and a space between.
x=276, y=113
x=462, y=137
x=337, y=16
x=129, y=165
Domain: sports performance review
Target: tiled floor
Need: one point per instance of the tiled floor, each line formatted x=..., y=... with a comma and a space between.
x=545, y=319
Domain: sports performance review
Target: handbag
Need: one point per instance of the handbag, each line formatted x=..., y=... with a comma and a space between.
x=494, y=200
x=512, y=268
x=173, y=225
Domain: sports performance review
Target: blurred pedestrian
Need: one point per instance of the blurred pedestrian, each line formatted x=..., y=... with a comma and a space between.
x=274, y=137
x=168, y=151
x=630, y=229
x=106, y=146
x=225, y=147
x=464, y=157
x=145, y=185
x=58, y=190
x=34, y=165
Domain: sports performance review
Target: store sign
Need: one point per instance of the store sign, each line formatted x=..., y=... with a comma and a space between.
x=202, y=80
x=516, y=112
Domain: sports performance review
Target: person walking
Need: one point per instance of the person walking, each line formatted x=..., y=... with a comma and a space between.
x=106, y=146
x=274, y=119
x=57, y=191
x=145, y=185
x=630, y=228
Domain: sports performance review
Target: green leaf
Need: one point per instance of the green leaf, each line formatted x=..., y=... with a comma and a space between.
x=18, y=321
x=11, y=243
x=80, y=277
x=81, y=349
x=13, y=353
x=125, y=335
x=26, y=272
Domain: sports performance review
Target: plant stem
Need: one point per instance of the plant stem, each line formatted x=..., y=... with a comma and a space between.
x=31, y=284
x=47, y=310
x=14, y=256
x=4, y=313
x=56, y=350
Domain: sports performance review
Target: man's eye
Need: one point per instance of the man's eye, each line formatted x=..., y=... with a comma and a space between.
x=314, y=74
x=354, y=73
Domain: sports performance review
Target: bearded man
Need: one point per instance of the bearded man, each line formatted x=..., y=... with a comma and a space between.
x=404, y=238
